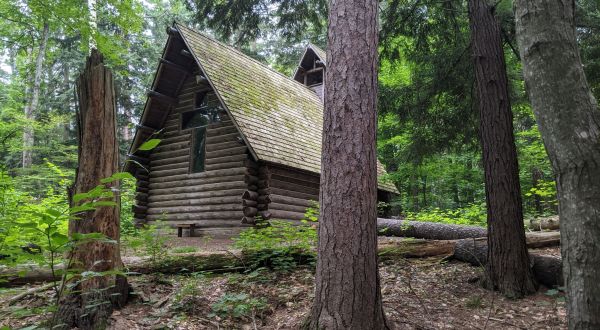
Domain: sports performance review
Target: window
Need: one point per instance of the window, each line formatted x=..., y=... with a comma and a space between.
x=207, y=110
x=198, y=149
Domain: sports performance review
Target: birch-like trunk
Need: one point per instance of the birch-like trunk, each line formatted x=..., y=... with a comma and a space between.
x=32, y=105
x=569, y=121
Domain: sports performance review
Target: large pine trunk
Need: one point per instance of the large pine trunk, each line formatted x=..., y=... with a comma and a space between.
x=347, y=293
x=508, y=268
x=569, y=120
x=91, y=302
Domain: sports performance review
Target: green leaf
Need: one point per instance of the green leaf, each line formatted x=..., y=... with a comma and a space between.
x=149, y=145
x=117, y=176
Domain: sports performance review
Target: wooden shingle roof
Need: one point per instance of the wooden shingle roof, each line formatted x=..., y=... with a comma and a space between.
x=281, y=119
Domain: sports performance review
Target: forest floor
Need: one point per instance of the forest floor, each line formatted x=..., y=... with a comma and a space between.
x=427, y=293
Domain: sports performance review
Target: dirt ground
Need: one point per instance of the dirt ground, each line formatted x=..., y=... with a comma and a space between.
x=417, y=294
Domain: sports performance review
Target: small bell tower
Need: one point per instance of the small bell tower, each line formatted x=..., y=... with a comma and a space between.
x=311, y=69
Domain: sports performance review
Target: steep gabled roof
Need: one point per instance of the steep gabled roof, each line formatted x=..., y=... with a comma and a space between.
x=280, y=119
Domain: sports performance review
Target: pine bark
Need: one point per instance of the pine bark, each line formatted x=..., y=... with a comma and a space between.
x=98, y=159
x=347, y=293
x=31, y=107
x=508, y=268
x=569, y=121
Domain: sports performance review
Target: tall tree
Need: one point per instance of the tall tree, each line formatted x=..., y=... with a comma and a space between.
x=508, y=267
x=91, y=302
x=569, y=120
x=32, y=105
x=347, y=293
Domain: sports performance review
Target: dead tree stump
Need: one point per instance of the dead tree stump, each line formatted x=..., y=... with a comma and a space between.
x=91, y=302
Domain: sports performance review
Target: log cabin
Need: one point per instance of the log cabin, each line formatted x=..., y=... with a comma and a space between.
x=238, y=140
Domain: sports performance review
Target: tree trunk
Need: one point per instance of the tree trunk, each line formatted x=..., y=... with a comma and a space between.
x=508, y=267
x=98, y=158
x=347, y=293
x=31, y=107
x=569, y=121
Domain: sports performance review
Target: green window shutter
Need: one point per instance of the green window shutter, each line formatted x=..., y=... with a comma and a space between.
x=199, y=150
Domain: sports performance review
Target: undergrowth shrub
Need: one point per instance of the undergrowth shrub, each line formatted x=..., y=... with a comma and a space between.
x=238, y=306
x=280, y=244
x=473, y=214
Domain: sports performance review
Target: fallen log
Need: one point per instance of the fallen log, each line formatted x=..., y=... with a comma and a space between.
x=546, y=269
x=429, y=230
x=473, y=251
x=550, y=223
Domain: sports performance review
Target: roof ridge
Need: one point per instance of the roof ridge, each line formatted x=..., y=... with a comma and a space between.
x=239, y=52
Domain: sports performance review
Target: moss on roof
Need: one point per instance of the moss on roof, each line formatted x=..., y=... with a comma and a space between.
x=281, y=119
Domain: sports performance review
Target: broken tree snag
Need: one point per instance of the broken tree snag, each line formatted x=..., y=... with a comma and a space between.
x=429, y=230
x=98, y=159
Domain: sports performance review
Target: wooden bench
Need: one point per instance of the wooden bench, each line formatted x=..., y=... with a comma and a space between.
x=180, y=227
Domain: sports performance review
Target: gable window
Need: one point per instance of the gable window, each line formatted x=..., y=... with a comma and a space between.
x=207, y=110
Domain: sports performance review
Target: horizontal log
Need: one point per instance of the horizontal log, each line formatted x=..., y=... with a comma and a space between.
x=200, y=188
x=200, y=223
x=251, y=195
x=280, y=199
x=429, y=230
x=262, y=207
x=310, y=184
x=250, y=211
x=248, y=220
x=294, y=194
x=287, y=207
x=237, y=150
x=195, y=209
x=247, y=202
x=197, y=195
x=265, y=214
x=177, y=171
x=223, y=138
x=179, y=159
x=222, y=166
x=223, y=146
x=170, y=154
x=172, y=166
x=253, y=187
x=162, y=97
x=294, y=187
x=232, y=199
x=223, y=130
x=197, y=182
x=166, y=150
x=142, y=183
x=306, y=177
x=197, y=216
x=226, y=159
x=206, y=174
x=285, y=215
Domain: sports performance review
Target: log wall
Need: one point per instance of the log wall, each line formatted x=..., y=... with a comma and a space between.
x=211, y=199
x=285, y=193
